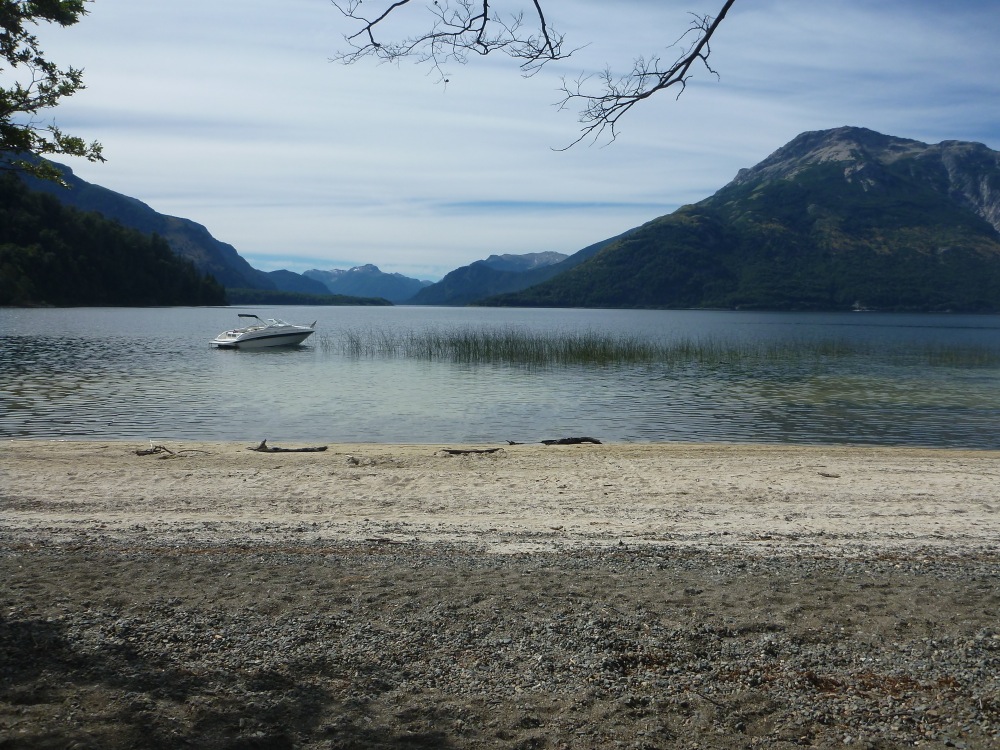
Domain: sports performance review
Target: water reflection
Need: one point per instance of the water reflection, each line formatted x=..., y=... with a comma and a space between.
x=150, y=374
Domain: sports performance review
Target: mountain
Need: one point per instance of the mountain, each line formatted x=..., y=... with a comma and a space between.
x=499, y=274
x=368, y=281
x=186, y=238
x=52, y=254
x=834, y=220
x=289, y=281
x=524, y=262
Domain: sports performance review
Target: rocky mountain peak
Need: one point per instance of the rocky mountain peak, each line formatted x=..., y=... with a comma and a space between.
x=854, y=146
x=965, y=171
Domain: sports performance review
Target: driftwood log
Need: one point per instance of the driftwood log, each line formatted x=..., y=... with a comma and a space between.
x=563, y=441
x=265, y=448
x=154, y=450
x=467, y=451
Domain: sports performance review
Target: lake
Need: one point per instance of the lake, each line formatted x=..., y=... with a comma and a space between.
x=151, y=375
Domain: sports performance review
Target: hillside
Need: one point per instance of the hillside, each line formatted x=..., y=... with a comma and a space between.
x=289, y=281
x=51, y=254
x=525, y=261
x=835, y=220
x=185, y=237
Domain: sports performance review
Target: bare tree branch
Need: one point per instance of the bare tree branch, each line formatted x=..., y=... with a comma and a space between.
x=602, y=111
x=457, y=29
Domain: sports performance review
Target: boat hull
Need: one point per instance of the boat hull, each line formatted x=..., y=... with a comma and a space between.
x=262, y=341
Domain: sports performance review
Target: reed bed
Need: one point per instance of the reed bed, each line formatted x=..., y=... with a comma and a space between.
x=519, y=346
x=497, y=345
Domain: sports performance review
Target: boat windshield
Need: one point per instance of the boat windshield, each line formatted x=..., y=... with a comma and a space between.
x=255, y=322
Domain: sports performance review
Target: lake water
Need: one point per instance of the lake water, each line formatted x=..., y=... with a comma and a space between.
x=150, y=374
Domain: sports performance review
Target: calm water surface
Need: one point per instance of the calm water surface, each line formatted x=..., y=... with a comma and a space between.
x=150, y=374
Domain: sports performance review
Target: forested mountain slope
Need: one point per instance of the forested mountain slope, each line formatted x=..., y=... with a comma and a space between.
x=835, y=219
x=51, y=254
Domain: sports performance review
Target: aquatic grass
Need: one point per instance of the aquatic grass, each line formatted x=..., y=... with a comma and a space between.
x=496, y=345
x=520, y=346
x=524, y=347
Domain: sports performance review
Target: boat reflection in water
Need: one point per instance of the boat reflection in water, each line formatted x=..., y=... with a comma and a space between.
x=262, y=333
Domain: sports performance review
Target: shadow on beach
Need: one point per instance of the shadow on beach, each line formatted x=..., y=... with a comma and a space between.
x=416, y=646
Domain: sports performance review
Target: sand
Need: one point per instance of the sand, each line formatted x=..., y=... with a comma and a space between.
x=676, y=595
x=522, y=497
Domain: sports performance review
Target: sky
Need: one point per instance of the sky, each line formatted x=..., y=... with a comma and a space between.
x=232, y=113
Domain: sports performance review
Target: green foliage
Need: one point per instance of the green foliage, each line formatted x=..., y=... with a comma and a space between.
x=54, y=255
x=32, y=83
x=274, y=297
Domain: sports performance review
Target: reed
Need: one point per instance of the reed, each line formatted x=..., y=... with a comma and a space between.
x=518, y=346
x=496, y=345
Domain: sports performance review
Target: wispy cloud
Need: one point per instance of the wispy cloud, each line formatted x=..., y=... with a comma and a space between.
x=232, y=115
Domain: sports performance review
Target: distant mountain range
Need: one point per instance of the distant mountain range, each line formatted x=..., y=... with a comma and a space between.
x=495, y=275
x=367, y=281
x=835, y=220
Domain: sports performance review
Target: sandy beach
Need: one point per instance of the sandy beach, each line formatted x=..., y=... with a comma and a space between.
x=636, y=595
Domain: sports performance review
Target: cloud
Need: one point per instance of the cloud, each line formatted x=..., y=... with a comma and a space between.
x=232, y=115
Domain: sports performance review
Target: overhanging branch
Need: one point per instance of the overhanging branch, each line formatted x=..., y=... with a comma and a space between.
x=456, y=29
x=602, y=111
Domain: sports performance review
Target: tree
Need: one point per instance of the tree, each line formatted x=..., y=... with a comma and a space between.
x=456, y=30
x=32, y=83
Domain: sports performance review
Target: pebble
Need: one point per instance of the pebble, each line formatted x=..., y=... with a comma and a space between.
x=556, y=648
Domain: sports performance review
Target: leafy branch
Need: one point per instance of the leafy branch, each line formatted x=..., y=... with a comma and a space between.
x=36, y=84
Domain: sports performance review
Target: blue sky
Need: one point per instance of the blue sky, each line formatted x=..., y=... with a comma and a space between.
x=230, y=113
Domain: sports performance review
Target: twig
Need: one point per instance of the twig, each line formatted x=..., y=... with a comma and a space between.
x=153, y=450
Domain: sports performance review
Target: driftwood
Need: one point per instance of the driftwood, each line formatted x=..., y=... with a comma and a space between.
x=154, y=450
x=265, y=448
x=563, y=441
x=465, y=452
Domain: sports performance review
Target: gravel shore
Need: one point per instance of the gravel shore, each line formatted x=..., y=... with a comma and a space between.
x=117, y=635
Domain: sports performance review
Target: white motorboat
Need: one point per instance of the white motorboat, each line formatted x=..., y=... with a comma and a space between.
x=261, y=333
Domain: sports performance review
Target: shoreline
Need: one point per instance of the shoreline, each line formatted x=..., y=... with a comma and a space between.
x=637, y=596
x=518, y=498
